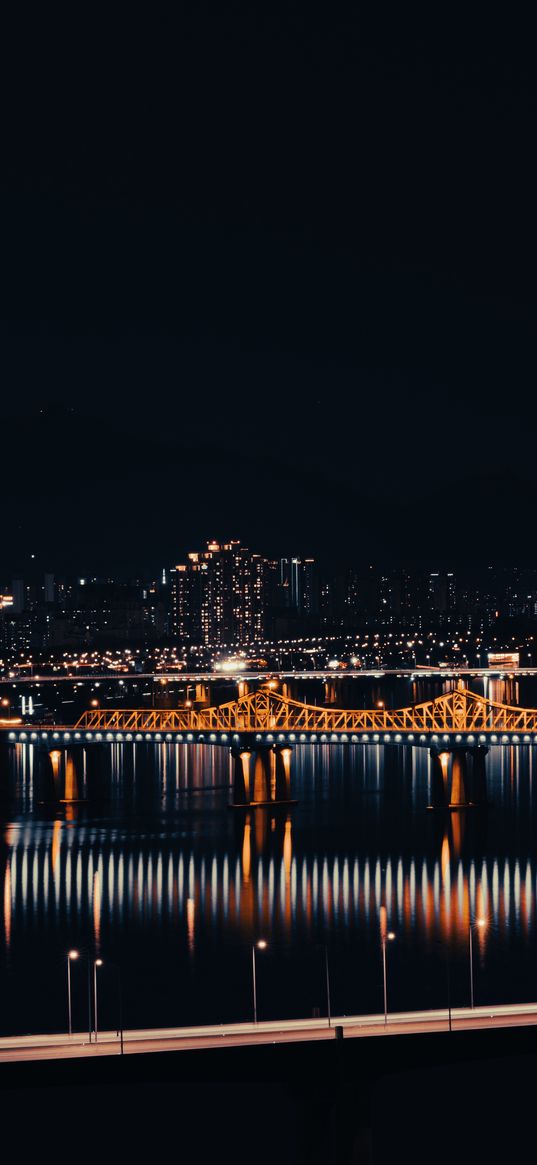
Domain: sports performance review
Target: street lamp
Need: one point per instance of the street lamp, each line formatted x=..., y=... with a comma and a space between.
x=115, y=967
x=70, y=955
x=480, y=922
x=96, y=963
x=327, y=984
x=120, y=1002
x=261, y=946
x=385, y=936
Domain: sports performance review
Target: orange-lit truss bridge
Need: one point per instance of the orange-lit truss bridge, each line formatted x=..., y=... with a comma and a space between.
x=456, y=716
x=268, y=715
x=262, y=727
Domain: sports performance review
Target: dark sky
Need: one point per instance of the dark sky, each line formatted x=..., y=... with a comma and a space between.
x=281, y=268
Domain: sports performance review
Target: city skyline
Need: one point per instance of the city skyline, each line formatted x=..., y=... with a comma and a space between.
x=268, y=581
x=224, y=595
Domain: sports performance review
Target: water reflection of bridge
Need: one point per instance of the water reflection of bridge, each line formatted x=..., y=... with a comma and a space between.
x=95, y=881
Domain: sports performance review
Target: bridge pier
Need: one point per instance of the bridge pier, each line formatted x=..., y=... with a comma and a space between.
x=59, y=774
x=459, y=779
x=465, y=777
x=202, y=695
x=47, y=774
x=241, y=776
x=263, y=765
x=330, y=692
x=73, y=774
x=438, y=779
x=261, y=775
x=282, y=758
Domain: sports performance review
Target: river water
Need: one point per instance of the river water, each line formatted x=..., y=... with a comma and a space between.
x=164, y=881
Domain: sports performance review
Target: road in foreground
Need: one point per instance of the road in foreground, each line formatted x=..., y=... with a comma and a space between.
x=62, y=1046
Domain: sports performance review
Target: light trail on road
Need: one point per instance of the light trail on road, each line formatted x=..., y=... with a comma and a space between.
x=61, y=1046
x=250, y=677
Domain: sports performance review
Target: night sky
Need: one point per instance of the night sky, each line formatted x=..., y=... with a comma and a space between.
x=269, y=277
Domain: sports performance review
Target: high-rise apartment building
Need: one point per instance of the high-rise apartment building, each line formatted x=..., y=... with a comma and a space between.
x=299, y=585
x=441, y=591
x=18, y=592
x=49, y=589
x=218, y=595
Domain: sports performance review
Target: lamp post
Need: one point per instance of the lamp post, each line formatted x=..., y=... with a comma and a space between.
x=478, y=922
x=261, y=946
x=117, y=969
x=70, y=955
x=385, y=936
x=89, y=998
x=96, y=963
x=448, y=985
x=120, y=1002
x=327, y=985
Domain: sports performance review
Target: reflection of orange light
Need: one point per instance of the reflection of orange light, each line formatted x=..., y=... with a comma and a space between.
x=97, y=908
x=457, y=822
x=190, y=917
x=56, y=831
x=287, y=849
x=246, y=852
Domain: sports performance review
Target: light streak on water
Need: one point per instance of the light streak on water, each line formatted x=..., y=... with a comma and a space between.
x=214, y=880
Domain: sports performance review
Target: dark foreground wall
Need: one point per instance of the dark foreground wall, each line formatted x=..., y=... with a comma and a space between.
x=455, y=1097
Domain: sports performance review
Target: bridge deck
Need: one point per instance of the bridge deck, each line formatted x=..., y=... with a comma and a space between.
x=458, y=717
